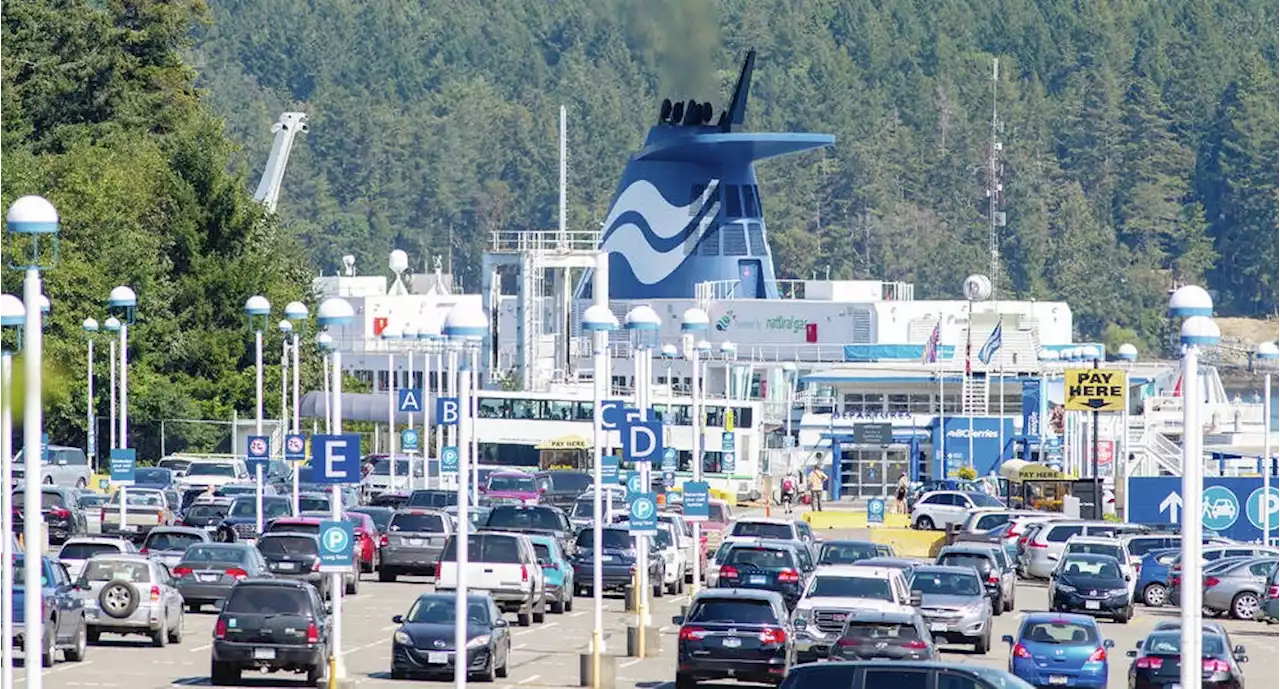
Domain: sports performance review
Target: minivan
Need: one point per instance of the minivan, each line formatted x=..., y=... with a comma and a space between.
x=63, y=466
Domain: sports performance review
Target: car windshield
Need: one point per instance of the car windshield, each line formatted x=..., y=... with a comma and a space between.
x=231, y=490
x=881, y=631
x=1139, y=547
x=613, y=539
x=293, y=527
x=271, y=509
x=267, y=600
x=511, y=482
x=1060, y=632
x=205, y=511
x=730, y=610
x=288, y=545
x=524, y=517
x=20, y=576
x=170, y=540
x=716, y=513
x=569, y=482
x=175, y=464
x=307, y=503
x=1101, y=569
x=47, y=500
x=587, y=508
x=216, y=553
x=845, y=553
x=442, y=610
x=1170, y=643
x=663, y=539
x=152, y=475
x=1112, y=549
x=764, y=558
x=84, y=551
x=417, y=522
x=762, y=530
x=543, y=552
x=381, y=518
x=850, y=587
x=432, y=498
x=382, y=467
x=212, y=469
x=140, y=498
x=974, y=560
x=117, y=570
x=984, y=500
x=946, y=583
x=987, y=522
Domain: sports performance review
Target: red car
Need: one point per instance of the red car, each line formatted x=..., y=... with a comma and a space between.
x=366, y=536
x=714, y=527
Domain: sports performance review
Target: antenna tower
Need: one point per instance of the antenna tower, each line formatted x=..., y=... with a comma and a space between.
x=995, y=189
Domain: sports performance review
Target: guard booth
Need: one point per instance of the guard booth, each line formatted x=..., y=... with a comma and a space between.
x=1034, y=486
x=569, y=452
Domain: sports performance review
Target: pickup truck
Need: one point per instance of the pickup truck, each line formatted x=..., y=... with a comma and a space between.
x=837, y=590
x=203, y=473
x=503, y=564
x=146, y=509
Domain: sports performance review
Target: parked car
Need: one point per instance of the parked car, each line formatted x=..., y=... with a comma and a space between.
x=1153, y=577
x=877, y=634
x=423, y=645
x=1271, y=601
x=561, y=488
x=60, y=509
x=91, y=503
x=380, y=514
x=378, y=478
x=204, y=473
x=158, y=478
x=942, y=508
x=617, y=560
x=907, y=567
x=1098, y=545
x=1046, y=545
x=145, y=509
x=1238, y=590
x=738, y=633
x=62, y=466
x=582, y=512
x=833, y=594
x=1157, y=663
x=311, y=526
x=295, y=556
x=242, y=516
x=64, y=618
x=1053, y=649
x=271, y=624
x=167, y=544
x=413, y=542
x=205, y=513
x=505, y=565
x=869, y=674
x=847, y=552
x=557, y=569
x=770, y=566
x=533, y=519
x=208, y=572
x=511, y=485
x=433, y=498
x=130, y=594
x=955, y=604
x=682, y=529
x=393, y=499
x=998, y=581
x=76, y=551
x=1209, y=569
x=1092, y=584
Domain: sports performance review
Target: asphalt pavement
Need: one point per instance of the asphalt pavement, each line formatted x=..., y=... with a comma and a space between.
x=546, y=655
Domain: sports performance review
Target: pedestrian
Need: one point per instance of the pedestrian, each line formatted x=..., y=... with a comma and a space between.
x=817, y=480
x=901, y=494
x=788, y=492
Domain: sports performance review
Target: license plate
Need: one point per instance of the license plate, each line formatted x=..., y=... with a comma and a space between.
x=732, y=642
x=1057, y=679
x=264, y=654
x=938, y=627
x=415, y=541
x=210, y=577
x=438, y=658
x=211, y=527
x=606, y=558
x=755, y=580
x=129, y=528
x=1175, y=686
x=288, y=566
x=1092, y=605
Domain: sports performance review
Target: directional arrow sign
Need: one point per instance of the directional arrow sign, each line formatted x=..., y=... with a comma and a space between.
x=1172, y=504
x=1094, y=389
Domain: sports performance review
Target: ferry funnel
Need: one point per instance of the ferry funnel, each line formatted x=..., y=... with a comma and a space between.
x=688, y=209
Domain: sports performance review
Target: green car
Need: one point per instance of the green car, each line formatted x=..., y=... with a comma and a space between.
x=558, y=572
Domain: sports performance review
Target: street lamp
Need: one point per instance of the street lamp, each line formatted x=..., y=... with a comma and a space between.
x=599, y=321
x=391, y=335
x=1267, y=355
x=336, y=312
x=429, y=334
x=468, y=327
x=112, y=326
x=790, y=373
x=410, y=339
x=1198, y=330
x=258, y=310
x=35, y=221
x=693, y=323
x=642, y=323
x=12, y=315
x=90, y=326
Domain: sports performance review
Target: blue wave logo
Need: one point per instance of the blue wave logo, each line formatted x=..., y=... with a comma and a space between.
x=653, y=235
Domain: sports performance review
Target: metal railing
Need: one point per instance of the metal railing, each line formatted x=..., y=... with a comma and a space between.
x=543, y=241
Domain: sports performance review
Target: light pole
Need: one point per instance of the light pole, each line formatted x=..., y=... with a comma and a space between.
x=410, y=339
x=285, y=327
x=790, y=373
x=324, y=342
x=468, y=327
x=429, y=336
x=1267, y=353
x=1198, y=330
x=728, y=354
x=91, y=446
x=642, y=323
x=1046, y=357
x=12, y=315
x=693, y=323
x=390, y=336
x=122, y=302
x=112, y=326
x=296, y=312
x=1120, y=457
x=336, y=312
x=35, y=221
x=258, y=310
x=975, y=288
x=599, y=322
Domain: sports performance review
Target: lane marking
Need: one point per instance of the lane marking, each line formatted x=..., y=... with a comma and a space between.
x=532, y=678
x=629, y=663
x=197, y=649
x=536, y=629
x=364, y=646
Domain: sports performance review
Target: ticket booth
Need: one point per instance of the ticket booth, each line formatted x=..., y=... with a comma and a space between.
x=568, y=452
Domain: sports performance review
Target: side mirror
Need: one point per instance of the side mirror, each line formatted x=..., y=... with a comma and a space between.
x=328, y=608
x=1007, y=638
x=500, y=622
x=1131, y=654
x=1239, y=650
x=1128, y=577
x=1053, y=558
x=916, y=599
x=1108, y=644
x=678, y=619
x=398, y=619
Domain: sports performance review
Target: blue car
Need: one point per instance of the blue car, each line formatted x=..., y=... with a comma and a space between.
x=1059, y=650
x=557, y=570
x=1153, y=576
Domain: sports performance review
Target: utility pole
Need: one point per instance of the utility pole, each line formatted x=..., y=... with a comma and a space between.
x=995, y=189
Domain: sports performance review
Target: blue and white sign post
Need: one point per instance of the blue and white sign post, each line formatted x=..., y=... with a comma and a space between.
x=337, y=546
x=259, y=458
x=449, y=462
x=124, y=464
x=598, y=321
x=875, y=512
x=693, y=323
x=642, y=445
x=335, y=458
x=258, y=310
x=697, y=501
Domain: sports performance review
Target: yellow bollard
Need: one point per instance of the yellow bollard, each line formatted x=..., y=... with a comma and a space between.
x=333, y=671
x=595, y=659
x=639, y=615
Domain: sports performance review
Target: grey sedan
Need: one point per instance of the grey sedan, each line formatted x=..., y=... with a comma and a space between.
x=413, y=543
x=168, y=543
x=955, y=604
x=1239, y=590
x=208, y=571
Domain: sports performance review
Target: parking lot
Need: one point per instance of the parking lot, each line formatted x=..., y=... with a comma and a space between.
x=546, y=655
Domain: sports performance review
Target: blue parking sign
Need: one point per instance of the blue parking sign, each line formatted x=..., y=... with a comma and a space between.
x=642, y=441
x=726, y=442
x=643, y=517
x=448, y=410
x=635, y=483
x=124, y=463
x=337, y=546
x=728, y=462
x=449, y=460
x=609, y=470
x=336, y=459
x=409, y=440
x=668, y=479
x=669, y=459
x=875, y=511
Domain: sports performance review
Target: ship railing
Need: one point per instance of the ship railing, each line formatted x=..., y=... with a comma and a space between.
x=543, y=241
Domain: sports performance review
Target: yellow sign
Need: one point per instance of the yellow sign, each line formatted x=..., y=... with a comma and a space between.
x=1034, y=472
x=1094, y=389
x=728, y=419
x=568, y=442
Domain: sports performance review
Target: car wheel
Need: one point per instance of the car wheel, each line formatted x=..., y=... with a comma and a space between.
x=557, y=606
x=314, y=673
x=1155, y=595
x=524, y=619
x=94, y=634
x=997, y=606
x=1245, y=605
x=160, y=637
x=50, y=648
x=490, y=672
x=924, y=523
x=386, y=575
x=118, y=600
x=505, y=669
x=353, y=586
x=684, y=681
x=222, y=674
x=397, y=673
x=175, y=634
x=76, y=653
x=193, y=608
x=1009, y=604
x=984, y=644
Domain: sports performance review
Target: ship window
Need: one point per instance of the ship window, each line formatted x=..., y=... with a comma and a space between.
x=695, y=204
x=732, y=202
x=749, y=202
x=710, y=244
x=735, y=240
x=755, y=237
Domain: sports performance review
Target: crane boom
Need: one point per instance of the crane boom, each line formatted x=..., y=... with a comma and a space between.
x=289, y=125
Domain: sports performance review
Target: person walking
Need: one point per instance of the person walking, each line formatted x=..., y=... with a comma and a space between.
x=817, y=480
x=900, y=495
x=788, y=492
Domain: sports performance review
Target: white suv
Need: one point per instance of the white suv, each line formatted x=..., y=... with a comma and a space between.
x=835, y=591
x=942, y=508
x=202, y=473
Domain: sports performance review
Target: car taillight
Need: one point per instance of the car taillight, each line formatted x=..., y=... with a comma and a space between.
x=524, y=573
x=1010, y=533
x=773, y=635
x=916, y=644
x=846, y=642
x=313, y=634
x=1175, y=581
x=1099, y=656
x=102, y=514
x=220, y=629
x=315, y=565
x=1150, y=663
x=992, y=578
x=728, y=571
x=1273, y=591
x=692, y=633
x=181, y=571
x=1020, y=651
x=384, y=541
x=1033, y=544
x=155, y=593
x=144, y=551
x=1210, y=582
x=237, y=573
x=160, y=516
x=1214, y=665
x=789, y=576
x=60, y=512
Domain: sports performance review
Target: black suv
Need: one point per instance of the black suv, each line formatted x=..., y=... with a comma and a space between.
x=738, y=633
x=901, y=674
x=561, y=488
x=271, y=624
x=541, y=520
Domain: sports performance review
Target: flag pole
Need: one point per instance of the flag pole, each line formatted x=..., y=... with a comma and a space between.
x=966, y=391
